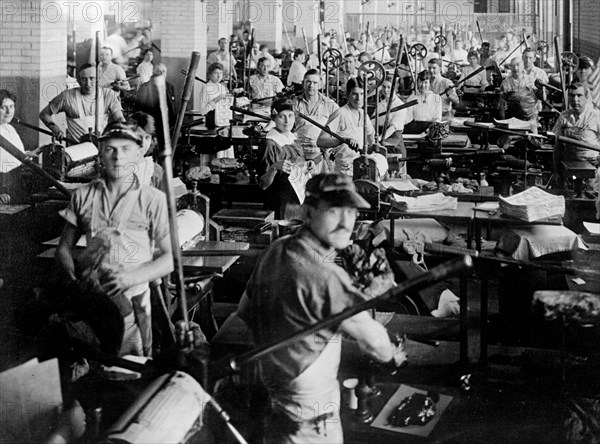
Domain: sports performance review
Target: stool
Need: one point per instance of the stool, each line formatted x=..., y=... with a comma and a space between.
x=578, y=170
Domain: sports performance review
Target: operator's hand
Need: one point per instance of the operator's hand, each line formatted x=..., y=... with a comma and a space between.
x=57, y=132
x=352, y=143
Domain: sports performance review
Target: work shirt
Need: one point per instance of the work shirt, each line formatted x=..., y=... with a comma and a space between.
x=81, y=110
x=110, y=74
x=139, y=218
x=397, y=118
x=296, y=74
x=536, y=73
x=348, y=123
x=295, y=284
x=266, y=86
x=520, y=98
x=429, y=108
x=224, y=58
x=585, y=127
x=319, y=111
x=7, y=161
x=440, y=85
x=209, y=92
x=277, y=147
x=478, y=81
x=145, y=70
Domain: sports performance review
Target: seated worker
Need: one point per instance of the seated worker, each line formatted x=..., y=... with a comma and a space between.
x=348, y=69
x=584, y=69
x=111, y=74
x=79, y=106
x=581, y=122
x=146, y=68
x=148, y=171
x=263, y=84
x=494, y=76
x=276, y=154
x=348, y=122
x=117, y=210
x=318, y=107
x=296, y=283
x=476, y=83
x=393, y=133
x=212, y=92
x=517, y=95
x=443, y=87
x=11, y=190
x=429, y=108
x=297, y=70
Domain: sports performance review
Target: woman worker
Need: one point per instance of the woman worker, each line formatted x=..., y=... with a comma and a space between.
x=10, y=188
x=429, y=108
x=276, y=155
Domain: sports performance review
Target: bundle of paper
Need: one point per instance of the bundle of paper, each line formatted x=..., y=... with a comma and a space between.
x=513, y=124
x=432, y=202
x=532, y=204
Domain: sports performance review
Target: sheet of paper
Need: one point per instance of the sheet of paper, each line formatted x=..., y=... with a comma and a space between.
x=413, y=136
x=400, y=185
x=82, y=151
x=488, y=206
x=82, y=242
x=592, y=227
x=31, y=400
x=298, y=178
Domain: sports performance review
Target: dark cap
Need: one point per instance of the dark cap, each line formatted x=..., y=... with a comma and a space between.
x=120, y=130
x=336, y=190
x=586, y=62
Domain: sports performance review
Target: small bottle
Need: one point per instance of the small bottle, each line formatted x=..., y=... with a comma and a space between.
x=482, y=181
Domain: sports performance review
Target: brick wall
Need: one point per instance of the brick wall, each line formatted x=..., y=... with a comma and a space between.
x=33, y=47
x=182, y=26
x=586, y=28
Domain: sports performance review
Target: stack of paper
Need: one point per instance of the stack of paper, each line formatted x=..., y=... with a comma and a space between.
x=432, y=202
x=513, y=124
x=532, y=204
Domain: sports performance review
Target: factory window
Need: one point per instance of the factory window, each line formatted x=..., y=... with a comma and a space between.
x=504, y=6
x=480, y=6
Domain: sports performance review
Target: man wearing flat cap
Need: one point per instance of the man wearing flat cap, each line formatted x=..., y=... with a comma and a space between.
x=296, y=284
x=124, y=223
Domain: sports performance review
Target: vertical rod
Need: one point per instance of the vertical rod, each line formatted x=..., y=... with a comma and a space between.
x=167, y=156
x=97, y=104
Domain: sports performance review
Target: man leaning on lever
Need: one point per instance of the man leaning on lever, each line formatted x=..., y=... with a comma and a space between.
x=296, y=283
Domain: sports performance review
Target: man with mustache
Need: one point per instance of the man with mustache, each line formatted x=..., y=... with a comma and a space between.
x=296, y=283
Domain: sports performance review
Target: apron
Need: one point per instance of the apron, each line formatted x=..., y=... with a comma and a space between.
x=80, y=126
x=137, y=338
x=313, y=400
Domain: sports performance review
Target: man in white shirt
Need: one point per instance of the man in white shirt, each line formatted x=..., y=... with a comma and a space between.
x=223, y=57
x=443, y=87
x=297, y=70
x=263, y=84
x=111, y=75
x=460, y=55
x=319, y=108
x=348, y=122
